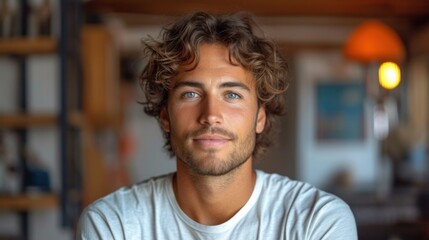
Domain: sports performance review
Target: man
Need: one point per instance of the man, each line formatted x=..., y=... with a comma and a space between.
x=216, y=88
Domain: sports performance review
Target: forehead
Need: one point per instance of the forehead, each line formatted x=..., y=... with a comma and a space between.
x=214, y=65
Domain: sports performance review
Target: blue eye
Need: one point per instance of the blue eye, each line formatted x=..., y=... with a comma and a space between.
x=190, y=95
x=232, y=95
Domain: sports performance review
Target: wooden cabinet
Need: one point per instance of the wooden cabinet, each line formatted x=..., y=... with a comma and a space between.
x=101, y=87
x=101, y=109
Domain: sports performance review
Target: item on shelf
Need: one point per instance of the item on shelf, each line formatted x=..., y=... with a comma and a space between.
x=12, y=182
x=37, y=179
x=2, y=176
x=8, y=20
x=8, y=175
x=42, y=18
x=36, y=176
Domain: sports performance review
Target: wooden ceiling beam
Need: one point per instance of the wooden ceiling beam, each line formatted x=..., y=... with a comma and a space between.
x=340, y=8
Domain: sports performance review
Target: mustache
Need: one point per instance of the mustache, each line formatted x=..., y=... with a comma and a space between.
x=212, y=130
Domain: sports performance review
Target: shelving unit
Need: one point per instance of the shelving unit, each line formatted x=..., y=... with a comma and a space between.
x=68, y=122
x=23, y=121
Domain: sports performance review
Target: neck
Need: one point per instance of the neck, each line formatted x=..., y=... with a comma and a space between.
x=212, y=200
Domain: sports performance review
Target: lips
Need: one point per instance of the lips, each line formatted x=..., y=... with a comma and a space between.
x=211, y=141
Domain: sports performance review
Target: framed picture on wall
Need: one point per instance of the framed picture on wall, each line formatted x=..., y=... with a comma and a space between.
x=340, y=111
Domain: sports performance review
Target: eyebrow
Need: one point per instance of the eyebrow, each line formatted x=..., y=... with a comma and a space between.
x=235, y=84
x=231, y=84
x=188, y=84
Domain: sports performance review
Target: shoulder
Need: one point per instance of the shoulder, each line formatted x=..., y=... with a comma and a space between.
x=320, y=212
x=132, y=197
x=107, y=214
x=297, y=193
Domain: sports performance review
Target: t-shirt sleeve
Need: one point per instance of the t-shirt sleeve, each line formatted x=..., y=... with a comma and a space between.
x=332, y=220
x=93, y=225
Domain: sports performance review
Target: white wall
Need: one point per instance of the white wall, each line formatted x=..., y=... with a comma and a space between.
x=319, y=161
x=149, y=158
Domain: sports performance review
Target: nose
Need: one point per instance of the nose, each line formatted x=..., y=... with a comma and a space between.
x=211, y=112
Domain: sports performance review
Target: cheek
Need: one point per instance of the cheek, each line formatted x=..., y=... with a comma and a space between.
x=240, y=119
x=181, y=117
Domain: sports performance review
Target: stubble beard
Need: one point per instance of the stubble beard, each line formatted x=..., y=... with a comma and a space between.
x=210, y=163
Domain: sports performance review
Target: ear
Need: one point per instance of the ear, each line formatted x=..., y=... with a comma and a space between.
x=164, y=120
x=261, y=119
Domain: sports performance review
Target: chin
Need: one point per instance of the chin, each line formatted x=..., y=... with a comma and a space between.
x=216, y=166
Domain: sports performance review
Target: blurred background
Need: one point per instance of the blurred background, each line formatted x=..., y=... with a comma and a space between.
x=72, y=129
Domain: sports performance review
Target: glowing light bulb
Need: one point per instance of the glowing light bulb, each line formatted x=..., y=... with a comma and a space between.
x=389, y=75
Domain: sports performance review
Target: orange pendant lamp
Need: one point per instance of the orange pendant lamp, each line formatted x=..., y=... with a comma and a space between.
x=373, y=41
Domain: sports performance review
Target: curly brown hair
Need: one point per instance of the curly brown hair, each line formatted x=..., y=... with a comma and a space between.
x=178, y=45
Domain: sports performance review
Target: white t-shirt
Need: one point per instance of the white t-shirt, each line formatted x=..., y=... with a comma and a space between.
x=279, y=208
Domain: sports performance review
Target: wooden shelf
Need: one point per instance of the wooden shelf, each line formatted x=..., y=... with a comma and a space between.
x=27, y=202
x=75, y=119
x=26, y=120
x=27, y=46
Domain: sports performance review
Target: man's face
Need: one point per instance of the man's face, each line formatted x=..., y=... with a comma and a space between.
x=212, y=114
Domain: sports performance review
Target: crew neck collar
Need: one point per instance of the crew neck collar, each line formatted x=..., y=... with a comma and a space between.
x=220, y=227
